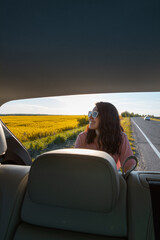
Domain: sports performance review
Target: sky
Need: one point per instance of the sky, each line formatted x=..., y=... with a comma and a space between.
x=141, y=103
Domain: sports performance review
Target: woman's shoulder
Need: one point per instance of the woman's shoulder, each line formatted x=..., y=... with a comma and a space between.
x=123, y=134
x=80, y=141
x=83, y=134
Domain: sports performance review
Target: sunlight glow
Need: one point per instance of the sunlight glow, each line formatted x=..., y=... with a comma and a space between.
x=141, y=103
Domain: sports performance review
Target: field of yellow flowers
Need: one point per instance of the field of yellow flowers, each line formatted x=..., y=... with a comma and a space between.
x=37, y=133
x=29, y=128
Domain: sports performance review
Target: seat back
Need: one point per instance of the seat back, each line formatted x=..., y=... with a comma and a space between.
x=140, y=217
x=74, y=192
x=13, y=182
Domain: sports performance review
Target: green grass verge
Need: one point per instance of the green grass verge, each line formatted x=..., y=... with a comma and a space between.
x=37, y=146
x=126, y=124
x=155, y=119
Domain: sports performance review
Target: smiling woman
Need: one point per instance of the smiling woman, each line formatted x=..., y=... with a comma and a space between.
x=105, y=133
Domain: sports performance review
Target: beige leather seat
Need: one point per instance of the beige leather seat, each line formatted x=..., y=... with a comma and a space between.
x=13, y=180
x=72, y=194
x=140, y=219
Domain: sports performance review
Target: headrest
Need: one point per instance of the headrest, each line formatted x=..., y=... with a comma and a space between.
x=74, y=178
x=78, y=190
x=3, y=144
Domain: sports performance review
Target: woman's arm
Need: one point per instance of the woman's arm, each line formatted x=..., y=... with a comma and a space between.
x=126, y=151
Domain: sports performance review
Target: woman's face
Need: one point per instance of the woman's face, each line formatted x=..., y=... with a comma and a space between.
x=94, y=122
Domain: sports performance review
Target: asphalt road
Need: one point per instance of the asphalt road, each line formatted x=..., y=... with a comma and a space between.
x=147, y=141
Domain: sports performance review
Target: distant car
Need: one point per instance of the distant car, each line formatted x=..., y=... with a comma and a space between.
x=147, y=118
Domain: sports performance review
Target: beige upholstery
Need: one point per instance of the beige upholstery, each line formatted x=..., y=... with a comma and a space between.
x=74, y=194
x=140, y=220
x=13, y=181
x=3, y=143
x=85, y=183
x=81, y=193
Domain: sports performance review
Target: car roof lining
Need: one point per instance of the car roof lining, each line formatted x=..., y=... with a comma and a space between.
x=99, y=47
x=13, y=90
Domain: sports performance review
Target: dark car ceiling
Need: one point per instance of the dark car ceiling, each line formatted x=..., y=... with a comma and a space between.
x=50, y=48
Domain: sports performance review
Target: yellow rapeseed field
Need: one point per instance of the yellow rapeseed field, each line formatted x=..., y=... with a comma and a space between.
x=28, y=128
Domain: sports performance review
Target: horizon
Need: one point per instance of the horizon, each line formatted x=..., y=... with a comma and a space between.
x=32, y=114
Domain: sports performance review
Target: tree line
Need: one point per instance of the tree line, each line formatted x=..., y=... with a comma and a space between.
x=132, y=114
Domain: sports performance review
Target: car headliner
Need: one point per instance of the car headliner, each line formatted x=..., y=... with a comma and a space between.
x=66, y=47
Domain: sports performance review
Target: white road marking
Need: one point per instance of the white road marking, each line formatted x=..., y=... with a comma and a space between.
x=151, y=144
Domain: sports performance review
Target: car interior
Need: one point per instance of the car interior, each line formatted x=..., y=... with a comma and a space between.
x=76, y=193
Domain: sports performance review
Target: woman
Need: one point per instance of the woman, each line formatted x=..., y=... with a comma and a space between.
x=105, y=133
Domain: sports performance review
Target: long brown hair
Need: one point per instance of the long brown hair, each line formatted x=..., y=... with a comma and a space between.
x=110, y=130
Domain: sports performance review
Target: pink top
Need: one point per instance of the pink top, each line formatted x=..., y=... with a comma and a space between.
x=119, y=159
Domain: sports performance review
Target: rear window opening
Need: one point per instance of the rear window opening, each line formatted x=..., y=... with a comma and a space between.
x=44, y=124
